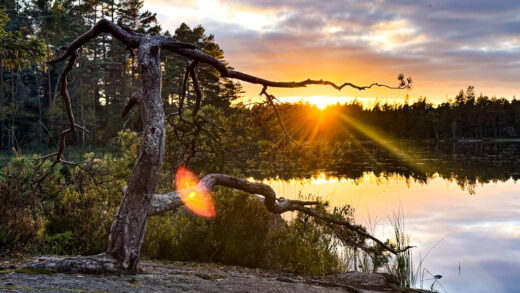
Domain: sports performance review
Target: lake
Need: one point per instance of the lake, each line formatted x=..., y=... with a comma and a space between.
x=461, y=205
x=460, y=201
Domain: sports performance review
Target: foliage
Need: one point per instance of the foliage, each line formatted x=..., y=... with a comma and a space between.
x=71, y=209
x=21, y=205
x=94, y=196
x=71, y=212
x=243, y=233
x=105, y=76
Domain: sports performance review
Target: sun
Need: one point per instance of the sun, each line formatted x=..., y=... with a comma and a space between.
x=321, y=104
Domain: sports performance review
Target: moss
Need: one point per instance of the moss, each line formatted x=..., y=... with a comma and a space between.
x=15, y=288
x=34, y=271
x=5, y=271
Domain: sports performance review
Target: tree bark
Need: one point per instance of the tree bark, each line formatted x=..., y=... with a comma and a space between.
x=127, y=230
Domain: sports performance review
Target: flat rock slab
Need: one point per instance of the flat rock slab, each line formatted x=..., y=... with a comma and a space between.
x=189, y=277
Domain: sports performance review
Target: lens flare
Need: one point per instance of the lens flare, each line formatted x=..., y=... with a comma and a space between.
x=195, y=199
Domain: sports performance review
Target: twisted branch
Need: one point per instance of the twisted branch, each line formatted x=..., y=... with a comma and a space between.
x=131, y=103
x=130, y=39
x=161, y=203
x=228, y=73
x=68, y=107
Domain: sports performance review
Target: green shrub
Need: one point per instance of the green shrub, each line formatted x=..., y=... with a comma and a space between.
x=242, y=233
x=70, y=212
x=67, y=209
x=87, y=205
x=21, y=199
x=57, y=244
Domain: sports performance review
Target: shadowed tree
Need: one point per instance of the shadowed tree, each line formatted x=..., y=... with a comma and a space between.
x=140, y=202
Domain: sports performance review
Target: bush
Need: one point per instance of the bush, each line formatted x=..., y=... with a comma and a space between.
x=243, y=233
x=70, y=212
x=21, y=199
x=67, y=209
x=87, y=205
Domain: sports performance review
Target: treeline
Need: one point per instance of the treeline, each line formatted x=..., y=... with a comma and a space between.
x=32, y=115
x=32, y=32
x=465, y=117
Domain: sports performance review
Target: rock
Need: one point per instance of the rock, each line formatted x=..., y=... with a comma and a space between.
x=193, y=277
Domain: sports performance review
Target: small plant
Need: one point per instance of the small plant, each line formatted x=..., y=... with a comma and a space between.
x=57, y=244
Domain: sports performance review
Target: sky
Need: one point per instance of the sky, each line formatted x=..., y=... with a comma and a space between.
x=444, y=45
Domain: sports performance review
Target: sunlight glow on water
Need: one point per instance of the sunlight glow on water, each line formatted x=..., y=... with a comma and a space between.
x=481, y=229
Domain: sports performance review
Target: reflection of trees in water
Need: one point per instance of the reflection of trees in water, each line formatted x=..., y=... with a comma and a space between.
x=467, y=164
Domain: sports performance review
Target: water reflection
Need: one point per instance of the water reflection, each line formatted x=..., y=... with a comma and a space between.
x=480, y=226
x=467, y=164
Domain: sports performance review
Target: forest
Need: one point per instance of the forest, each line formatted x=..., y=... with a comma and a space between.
x=32, y=33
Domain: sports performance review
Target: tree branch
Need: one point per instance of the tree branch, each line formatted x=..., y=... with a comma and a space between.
x=68, y=107
x=196, y=86
x=189, y=68
x=228, y=73
x=172, y=201
x=103, y=26
x=270, y=101
x=131, y=40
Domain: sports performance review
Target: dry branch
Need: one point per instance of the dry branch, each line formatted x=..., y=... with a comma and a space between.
x=132, y=40
x=196, y=86
x=161, y=203
x=225, y=72
x=68, y=107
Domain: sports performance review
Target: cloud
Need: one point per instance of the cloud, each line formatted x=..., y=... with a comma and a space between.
x=448, y=43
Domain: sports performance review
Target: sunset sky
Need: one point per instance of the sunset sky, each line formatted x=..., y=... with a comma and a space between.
x=444, y=45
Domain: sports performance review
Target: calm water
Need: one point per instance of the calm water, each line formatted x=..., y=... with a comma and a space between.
x=467, y=216
x=461, y=204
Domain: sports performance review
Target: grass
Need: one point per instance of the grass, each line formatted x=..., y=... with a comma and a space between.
x=15, y=288
x=403, y=265
x=409, y=274
x=72, y=153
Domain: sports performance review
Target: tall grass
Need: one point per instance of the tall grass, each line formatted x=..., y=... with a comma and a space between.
x=408, y=273
x=402, y=267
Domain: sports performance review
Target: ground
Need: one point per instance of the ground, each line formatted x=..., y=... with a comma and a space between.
x=186, y=277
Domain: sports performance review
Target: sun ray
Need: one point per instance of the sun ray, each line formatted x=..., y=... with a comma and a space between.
x=387, y=144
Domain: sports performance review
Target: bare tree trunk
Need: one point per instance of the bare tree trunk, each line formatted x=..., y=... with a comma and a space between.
x=127, y=231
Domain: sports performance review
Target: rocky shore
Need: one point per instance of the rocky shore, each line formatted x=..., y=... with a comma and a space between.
x=187, y=277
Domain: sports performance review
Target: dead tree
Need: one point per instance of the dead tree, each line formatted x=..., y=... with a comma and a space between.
x=139, y=202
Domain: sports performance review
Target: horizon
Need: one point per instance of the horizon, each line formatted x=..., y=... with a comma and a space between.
x=322, y=102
